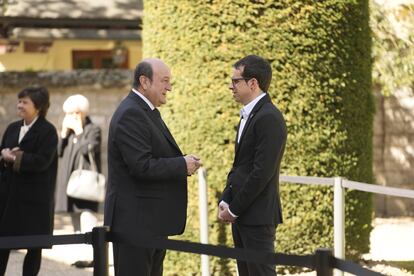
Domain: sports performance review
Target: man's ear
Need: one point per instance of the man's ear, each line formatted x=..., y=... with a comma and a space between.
x=254, y=84
x=144, y=81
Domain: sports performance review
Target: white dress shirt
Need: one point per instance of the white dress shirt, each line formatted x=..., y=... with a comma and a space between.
x=25, y=128
x=245, y=113
x=144, y=98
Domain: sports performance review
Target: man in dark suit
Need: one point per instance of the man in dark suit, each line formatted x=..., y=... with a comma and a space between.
x=147, y=183
x=250, y=200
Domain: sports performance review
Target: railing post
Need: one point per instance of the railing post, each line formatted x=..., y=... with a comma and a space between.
x=100, y=251
x=203, y=205
x=339, y=222
x=323, y=262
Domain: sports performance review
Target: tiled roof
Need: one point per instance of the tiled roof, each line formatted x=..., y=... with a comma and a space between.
x=120, y=9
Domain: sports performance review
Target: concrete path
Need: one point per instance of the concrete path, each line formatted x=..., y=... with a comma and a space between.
x=392, y=239
x=49, y=267
x=58, y=260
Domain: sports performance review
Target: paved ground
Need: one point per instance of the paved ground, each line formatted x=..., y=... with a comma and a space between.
x=58, y=260
x=391, y=240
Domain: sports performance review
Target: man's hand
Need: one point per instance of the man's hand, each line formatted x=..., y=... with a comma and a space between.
x=224, y=214
x=223, y=205
x=193, y=163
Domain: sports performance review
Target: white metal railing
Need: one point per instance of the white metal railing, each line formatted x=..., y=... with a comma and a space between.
x=307, y=180
x=203, y=205
x=377, y=189
x=338, y=183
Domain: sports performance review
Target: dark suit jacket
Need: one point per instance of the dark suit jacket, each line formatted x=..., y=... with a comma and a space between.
x=252, y=188
x=27, y=190
x=147, y=174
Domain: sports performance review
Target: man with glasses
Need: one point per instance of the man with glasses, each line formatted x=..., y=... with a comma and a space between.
x=250, y=200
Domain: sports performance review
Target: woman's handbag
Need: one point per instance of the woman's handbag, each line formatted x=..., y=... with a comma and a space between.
x=86, y=184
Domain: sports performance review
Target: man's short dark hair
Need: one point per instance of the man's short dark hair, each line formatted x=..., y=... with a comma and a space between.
x=39, y=96
x=143, y=69
x=256, y=67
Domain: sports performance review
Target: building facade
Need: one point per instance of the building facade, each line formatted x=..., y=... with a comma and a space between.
x=39, y=35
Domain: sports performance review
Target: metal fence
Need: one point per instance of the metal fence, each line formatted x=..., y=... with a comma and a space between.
x=339, y=185
x=321, y=261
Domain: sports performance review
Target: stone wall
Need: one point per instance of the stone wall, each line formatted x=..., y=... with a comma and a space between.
x=394, y=150
x=393, y=125
x=104, y=89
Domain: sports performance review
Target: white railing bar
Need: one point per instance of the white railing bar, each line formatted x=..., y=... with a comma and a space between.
x=339, y=222
x=203, y=205
x=377, y=189
x=307, y=180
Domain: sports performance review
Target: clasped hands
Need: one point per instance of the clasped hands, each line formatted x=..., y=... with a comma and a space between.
x=224, y=214
x=9, y=155
x=193, y=163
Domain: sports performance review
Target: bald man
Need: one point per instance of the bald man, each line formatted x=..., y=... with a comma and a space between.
x=147, y=183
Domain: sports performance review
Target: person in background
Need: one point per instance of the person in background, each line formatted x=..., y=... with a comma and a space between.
x=78, y=136
x=28, y=175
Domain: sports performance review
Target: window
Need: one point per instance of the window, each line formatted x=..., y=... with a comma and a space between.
x=36, y=47
x=98, y=59
x=8, y=47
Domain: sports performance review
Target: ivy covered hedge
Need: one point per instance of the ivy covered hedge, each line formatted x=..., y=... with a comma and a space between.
x=320, y=54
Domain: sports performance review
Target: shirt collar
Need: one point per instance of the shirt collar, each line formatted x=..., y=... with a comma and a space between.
x=144, y=98
x=247, y=109
x=31, y=124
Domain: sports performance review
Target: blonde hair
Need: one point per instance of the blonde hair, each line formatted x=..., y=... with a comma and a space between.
x=76, y=103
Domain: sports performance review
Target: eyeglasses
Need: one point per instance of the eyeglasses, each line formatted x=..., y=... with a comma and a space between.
x=235, y=81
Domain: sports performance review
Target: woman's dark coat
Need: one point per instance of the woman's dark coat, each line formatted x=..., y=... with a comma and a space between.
x=27, y=187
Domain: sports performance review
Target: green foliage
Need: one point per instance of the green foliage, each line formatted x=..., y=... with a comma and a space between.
x=320, y=54
x=393, y=46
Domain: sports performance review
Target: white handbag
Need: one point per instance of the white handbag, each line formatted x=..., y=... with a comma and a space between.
x=86, y=184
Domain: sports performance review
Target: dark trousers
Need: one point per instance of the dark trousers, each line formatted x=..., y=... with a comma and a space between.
x=31, y=264
x=137, y=261
x=255, y=237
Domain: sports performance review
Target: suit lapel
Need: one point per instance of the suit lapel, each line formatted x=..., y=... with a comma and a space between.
x=236, y=145
x=31, y=132
x=256, y=108
x=163, y=128
x=154, y=119
x=15, y=133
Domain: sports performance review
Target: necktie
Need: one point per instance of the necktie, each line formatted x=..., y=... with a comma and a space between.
x=158, y=115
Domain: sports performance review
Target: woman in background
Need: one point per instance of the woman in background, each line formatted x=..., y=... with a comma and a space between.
x=78, y=136
x=28, y=175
